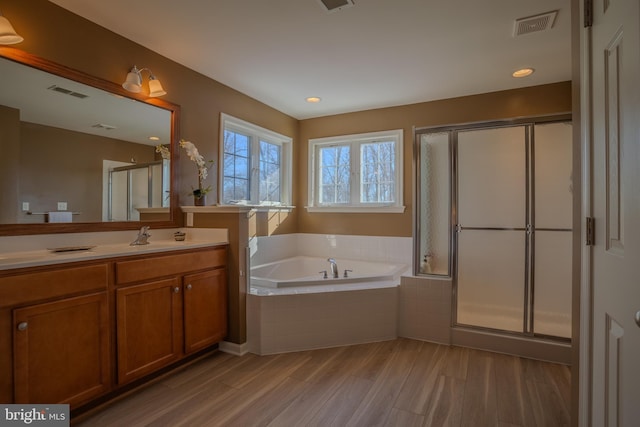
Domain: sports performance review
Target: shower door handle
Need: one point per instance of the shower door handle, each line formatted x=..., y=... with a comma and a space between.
x=637, y=319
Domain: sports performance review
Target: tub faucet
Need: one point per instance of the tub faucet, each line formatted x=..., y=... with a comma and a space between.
x=143, y=235
x=334, y=268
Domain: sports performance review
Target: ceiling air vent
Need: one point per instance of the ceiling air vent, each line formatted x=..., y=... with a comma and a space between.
x=59, y=89
x=335, y=5
x=103, y=126
x=535, y=23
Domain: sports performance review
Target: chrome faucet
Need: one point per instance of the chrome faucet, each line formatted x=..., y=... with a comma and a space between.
x=143, y=235
x=334, y=268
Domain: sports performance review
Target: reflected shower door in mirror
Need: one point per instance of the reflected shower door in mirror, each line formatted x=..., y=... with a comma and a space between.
x=63, y=134
x=135, y=189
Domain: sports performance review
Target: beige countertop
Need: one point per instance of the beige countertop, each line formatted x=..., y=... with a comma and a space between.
x=101, y=245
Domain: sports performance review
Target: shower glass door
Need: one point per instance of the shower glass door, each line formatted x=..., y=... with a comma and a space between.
x=552, y=216
x=492, y=234
x=514, y=228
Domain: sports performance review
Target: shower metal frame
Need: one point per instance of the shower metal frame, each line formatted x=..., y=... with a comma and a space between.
x=455, y=228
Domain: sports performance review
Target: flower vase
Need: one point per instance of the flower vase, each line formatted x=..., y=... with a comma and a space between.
x=200, y=200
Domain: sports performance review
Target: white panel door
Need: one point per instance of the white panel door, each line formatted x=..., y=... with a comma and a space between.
x=615, y=106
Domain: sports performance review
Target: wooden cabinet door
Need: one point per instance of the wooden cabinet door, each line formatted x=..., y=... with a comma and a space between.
x=149, y=327
x=205, y=309
x=61, y=351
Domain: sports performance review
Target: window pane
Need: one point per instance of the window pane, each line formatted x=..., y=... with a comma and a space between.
x=366, y=178
x=270, y=154
x=235, y=189
x=387, y=192
x=334, y=166
x=236, y=166
x=241, y=167
x=377, y=172
x=240, y=189
x=257, y=162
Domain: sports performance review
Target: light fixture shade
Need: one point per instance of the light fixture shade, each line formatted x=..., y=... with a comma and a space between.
x=155, y=88
x=7, y=34
x=133, y=82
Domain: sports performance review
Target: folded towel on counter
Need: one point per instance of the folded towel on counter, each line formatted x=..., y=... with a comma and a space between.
x=64, y=216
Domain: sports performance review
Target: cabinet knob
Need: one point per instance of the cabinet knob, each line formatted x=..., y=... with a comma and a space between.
x=189, y=287
x=176, y=289
x=22, y=326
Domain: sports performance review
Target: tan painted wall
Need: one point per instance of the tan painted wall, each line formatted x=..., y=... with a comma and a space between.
x=534, y=101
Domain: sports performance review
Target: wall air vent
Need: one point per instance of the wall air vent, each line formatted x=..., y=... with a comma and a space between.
x=335, y=5
x=535, y=23
x=60, y=89
x=103, y=126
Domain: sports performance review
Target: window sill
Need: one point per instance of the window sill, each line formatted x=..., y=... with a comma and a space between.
x=355, y=209
x=258, y=208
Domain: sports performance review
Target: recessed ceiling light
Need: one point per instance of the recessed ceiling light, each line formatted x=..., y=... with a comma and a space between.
x=523, y=72
x=313, y=99
x=154, y=138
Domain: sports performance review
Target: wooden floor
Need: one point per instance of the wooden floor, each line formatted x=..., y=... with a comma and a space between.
x=394, y=383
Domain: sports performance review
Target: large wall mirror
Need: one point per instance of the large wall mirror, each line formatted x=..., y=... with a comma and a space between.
x=79, y=153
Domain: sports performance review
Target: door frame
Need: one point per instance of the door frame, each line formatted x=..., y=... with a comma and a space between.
x=582, y=282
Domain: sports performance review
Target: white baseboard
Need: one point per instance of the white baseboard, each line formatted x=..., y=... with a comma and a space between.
x=233, y=348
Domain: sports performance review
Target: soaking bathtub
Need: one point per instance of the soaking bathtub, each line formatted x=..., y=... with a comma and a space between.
x=292, y=307
x=313, y=274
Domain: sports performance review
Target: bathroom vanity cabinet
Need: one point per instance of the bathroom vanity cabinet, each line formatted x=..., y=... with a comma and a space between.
x=73, y=332
x=60, y=330
x=164, y=313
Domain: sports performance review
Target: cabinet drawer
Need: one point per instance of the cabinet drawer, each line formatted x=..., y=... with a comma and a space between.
x=160, y=266
x=23, y=288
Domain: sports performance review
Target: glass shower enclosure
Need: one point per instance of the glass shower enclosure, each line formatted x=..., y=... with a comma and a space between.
x=499, y=222
x=135, y=186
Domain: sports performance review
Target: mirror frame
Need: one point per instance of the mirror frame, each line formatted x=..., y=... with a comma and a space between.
x=37, y=62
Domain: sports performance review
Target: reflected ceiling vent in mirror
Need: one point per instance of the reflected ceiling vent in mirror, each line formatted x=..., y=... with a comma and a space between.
x=533, y=24
x=69, y=92
x=335, y=5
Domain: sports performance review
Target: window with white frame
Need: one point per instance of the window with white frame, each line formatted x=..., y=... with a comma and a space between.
x=356, y=173
x=256, y=166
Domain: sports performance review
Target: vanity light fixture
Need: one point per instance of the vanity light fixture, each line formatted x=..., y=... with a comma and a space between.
x=523, y=72
x=133, y=82
x=7, y=34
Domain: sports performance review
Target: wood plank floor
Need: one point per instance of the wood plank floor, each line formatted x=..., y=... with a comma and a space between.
x=393, y=383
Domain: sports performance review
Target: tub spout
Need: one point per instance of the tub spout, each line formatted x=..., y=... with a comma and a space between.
x=334, y=268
